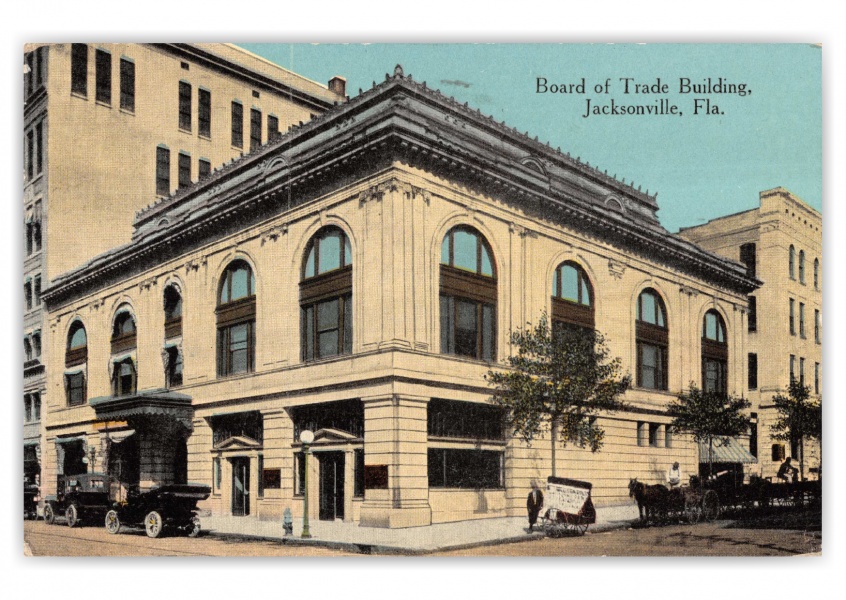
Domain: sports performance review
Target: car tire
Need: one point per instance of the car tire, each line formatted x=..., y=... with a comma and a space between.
x=154, y=524
x=49, y=515
x=72, y=515
x=112, y=522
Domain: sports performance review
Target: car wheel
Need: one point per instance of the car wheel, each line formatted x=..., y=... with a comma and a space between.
x=194, y=527
x=49, y=515
x=153, y=524
x=112, y=522
x=72, y=515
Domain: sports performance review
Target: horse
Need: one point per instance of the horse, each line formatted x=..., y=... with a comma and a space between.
x=651, y=499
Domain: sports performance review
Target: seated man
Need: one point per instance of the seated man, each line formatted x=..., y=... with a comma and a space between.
x=674, y=476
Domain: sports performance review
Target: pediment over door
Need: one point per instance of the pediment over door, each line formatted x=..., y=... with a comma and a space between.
x=238, y=442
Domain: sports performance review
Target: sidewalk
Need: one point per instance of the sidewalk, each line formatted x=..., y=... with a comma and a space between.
x=351, y=537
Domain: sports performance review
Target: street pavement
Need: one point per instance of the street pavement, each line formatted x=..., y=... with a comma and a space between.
x=351, y=537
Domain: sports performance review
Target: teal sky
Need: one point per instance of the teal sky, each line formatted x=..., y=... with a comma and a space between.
x=702, y=166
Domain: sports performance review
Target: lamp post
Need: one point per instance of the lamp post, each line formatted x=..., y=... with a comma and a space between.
x=306, y=437
x=92, y=451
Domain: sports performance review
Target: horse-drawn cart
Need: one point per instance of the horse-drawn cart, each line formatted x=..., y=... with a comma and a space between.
x=693, y=503
x=568, y=507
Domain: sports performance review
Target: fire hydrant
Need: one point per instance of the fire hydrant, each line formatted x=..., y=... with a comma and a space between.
x=288, y=522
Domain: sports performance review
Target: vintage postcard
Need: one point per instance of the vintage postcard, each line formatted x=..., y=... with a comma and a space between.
x=422, y=299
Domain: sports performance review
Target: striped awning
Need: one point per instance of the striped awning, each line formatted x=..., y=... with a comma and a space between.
x=729, y=450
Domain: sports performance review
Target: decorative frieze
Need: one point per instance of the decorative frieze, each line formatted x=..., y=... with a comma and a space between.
x=616, y=269
x=274, y=233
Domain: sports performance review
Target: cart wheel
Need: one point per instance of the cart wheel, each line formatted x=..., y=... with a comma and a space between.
x=153, y=524
x=194, y=527
x=72, y=515
x=581, y=528
x=49, y=515
x=112, y=522
x=692, y=509
x=711, y=506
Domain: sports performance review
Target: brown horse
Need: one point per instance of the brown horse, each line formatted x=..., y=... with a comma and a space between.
x=651, y=499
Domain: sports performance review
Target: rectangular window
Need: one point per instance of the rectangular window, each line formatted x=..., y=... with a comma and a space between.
x=715, y=375
x=30, y=73
x=127, y=85
x=29, y=238
x=103, y=76
x=39, y=148
x=299, y=474
x=36, y=291
x=36, y=228
x=261, y=475
x=465, y=469
x=792, y=368
x=236, y=348
x=27, y=409
x=464, y=420
x=272, y=128
x=358, y=485
x=652, y=372
x=36, y=344
x=79, y=69
x=162, y=171
x=184, y=170
x=28, y=295
x=216, y=475
x=753, y=314
x=173, y=373
x=753, y=434
x=75, y=386
x=467, y=328
x=801, y=371
x=27, y=350
x=802, y=320
x=792, y=317
x=747, y=257
x=778, y=452
x=204, y=168
x=817, y=329
x=271, y=479
x=123, y=383
x=817, y=378
x=327, y=328
x=184, y=106
x=237, y=125
x=30, y=154
x=654, y=434
x=753, y=370
x=255, y=129
x=204, y=112
x=36, y=407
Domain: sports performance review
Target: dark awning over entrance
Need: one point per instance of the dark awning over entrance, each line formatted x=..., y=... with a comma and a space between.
x=730, y=452
x=143, y=404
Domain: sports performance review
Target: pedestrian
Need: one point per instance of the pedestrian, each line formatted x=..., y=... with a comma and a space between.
x=533, y=504
x=785, y=469
x=674, y=475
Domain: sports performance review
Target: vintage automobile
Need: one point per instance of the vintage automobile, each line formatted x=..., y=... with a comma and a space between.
x=80, y=498
x=162, y=510
x=30, y=501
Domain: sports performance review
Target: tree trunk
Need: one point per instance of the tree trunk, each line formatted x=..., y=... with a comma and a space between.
x=554, y=437
x=801, y=459
x=710, y=457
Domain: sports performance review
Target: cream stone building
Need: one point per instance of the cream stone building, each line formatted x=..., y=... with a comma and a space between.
x=781, y=244
x=108, y=128
x=358, y=277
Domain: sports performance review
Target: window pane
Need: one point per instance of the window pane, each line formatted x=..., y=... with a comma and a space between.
x=308, y=333
x=487, y=332
x=466, y=338
x=445, y=251
x=446, y=325
x=649, y=366
x=347, y=251
x=464, y=244
x=555, y=277
x=647, y=308
x=348, y=333
x=238, y=348
x=78, y=339
x=309, y=267
x=240, y=283
x=330, y=252
x=569, y=283
x=328, y=342
x=327, y=315
x=585, y=293
x=487, y=267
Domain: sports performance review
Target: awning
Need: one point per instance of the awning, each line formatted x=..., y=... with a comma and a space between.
x=146, y=403
x=731, y=451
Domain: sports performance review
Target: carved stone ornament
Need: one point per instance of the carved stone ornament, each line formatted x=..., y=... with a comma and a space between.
x=688, y=290
x=147, y=284
x=274, y=233
x=616, y=269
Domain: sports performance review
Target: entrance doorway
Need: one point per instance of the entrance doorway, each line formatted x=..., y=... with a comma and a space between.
x=331, y=485
x=240, y=487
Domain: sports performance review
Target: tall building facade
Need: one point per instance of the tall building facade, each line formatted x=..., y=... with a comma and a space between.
x=358, y=277
x=780, y=242
x=108, y=129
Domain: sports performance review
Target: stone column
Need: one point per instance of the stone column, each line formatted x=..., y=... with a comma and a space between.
x=349, y=483
x=395, y=436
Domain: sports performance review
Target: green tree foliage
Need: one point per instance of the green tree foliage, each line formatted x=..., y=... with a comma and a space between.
x=799, y=417
x=557, y=382
x=709, y=417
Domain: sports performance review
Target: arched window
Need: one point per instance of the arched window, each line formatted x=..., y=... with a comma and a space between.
x=816, y=273
x=714, y=353
x=468, y=295
x=326, y=295
x=76, y=359
x=124, y=343
x=802, y=267
x=173, y=332
x=652, y=337
x=236, y=320
x=572, y=297
x=792, y=262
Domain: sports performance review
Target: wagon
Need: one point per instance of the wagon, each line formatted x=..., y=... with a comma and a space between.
x=80, y=499
x=162, y=510
x=569, y=508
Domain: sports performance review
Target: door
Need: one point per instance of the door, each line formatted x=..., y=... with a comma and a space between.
x=240, y=487
x=331, y=485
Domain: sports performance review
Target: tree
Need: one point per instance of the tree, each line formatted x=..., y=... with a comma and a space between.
x=558, y=382
x=799, y=417
x=709, y=417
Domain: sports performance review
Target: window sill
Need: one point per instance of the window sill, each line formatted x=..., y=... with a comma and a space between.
x=79, y=95
x=126, y=111
x=204, y=137
x=183, y=130
x=103, y=104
